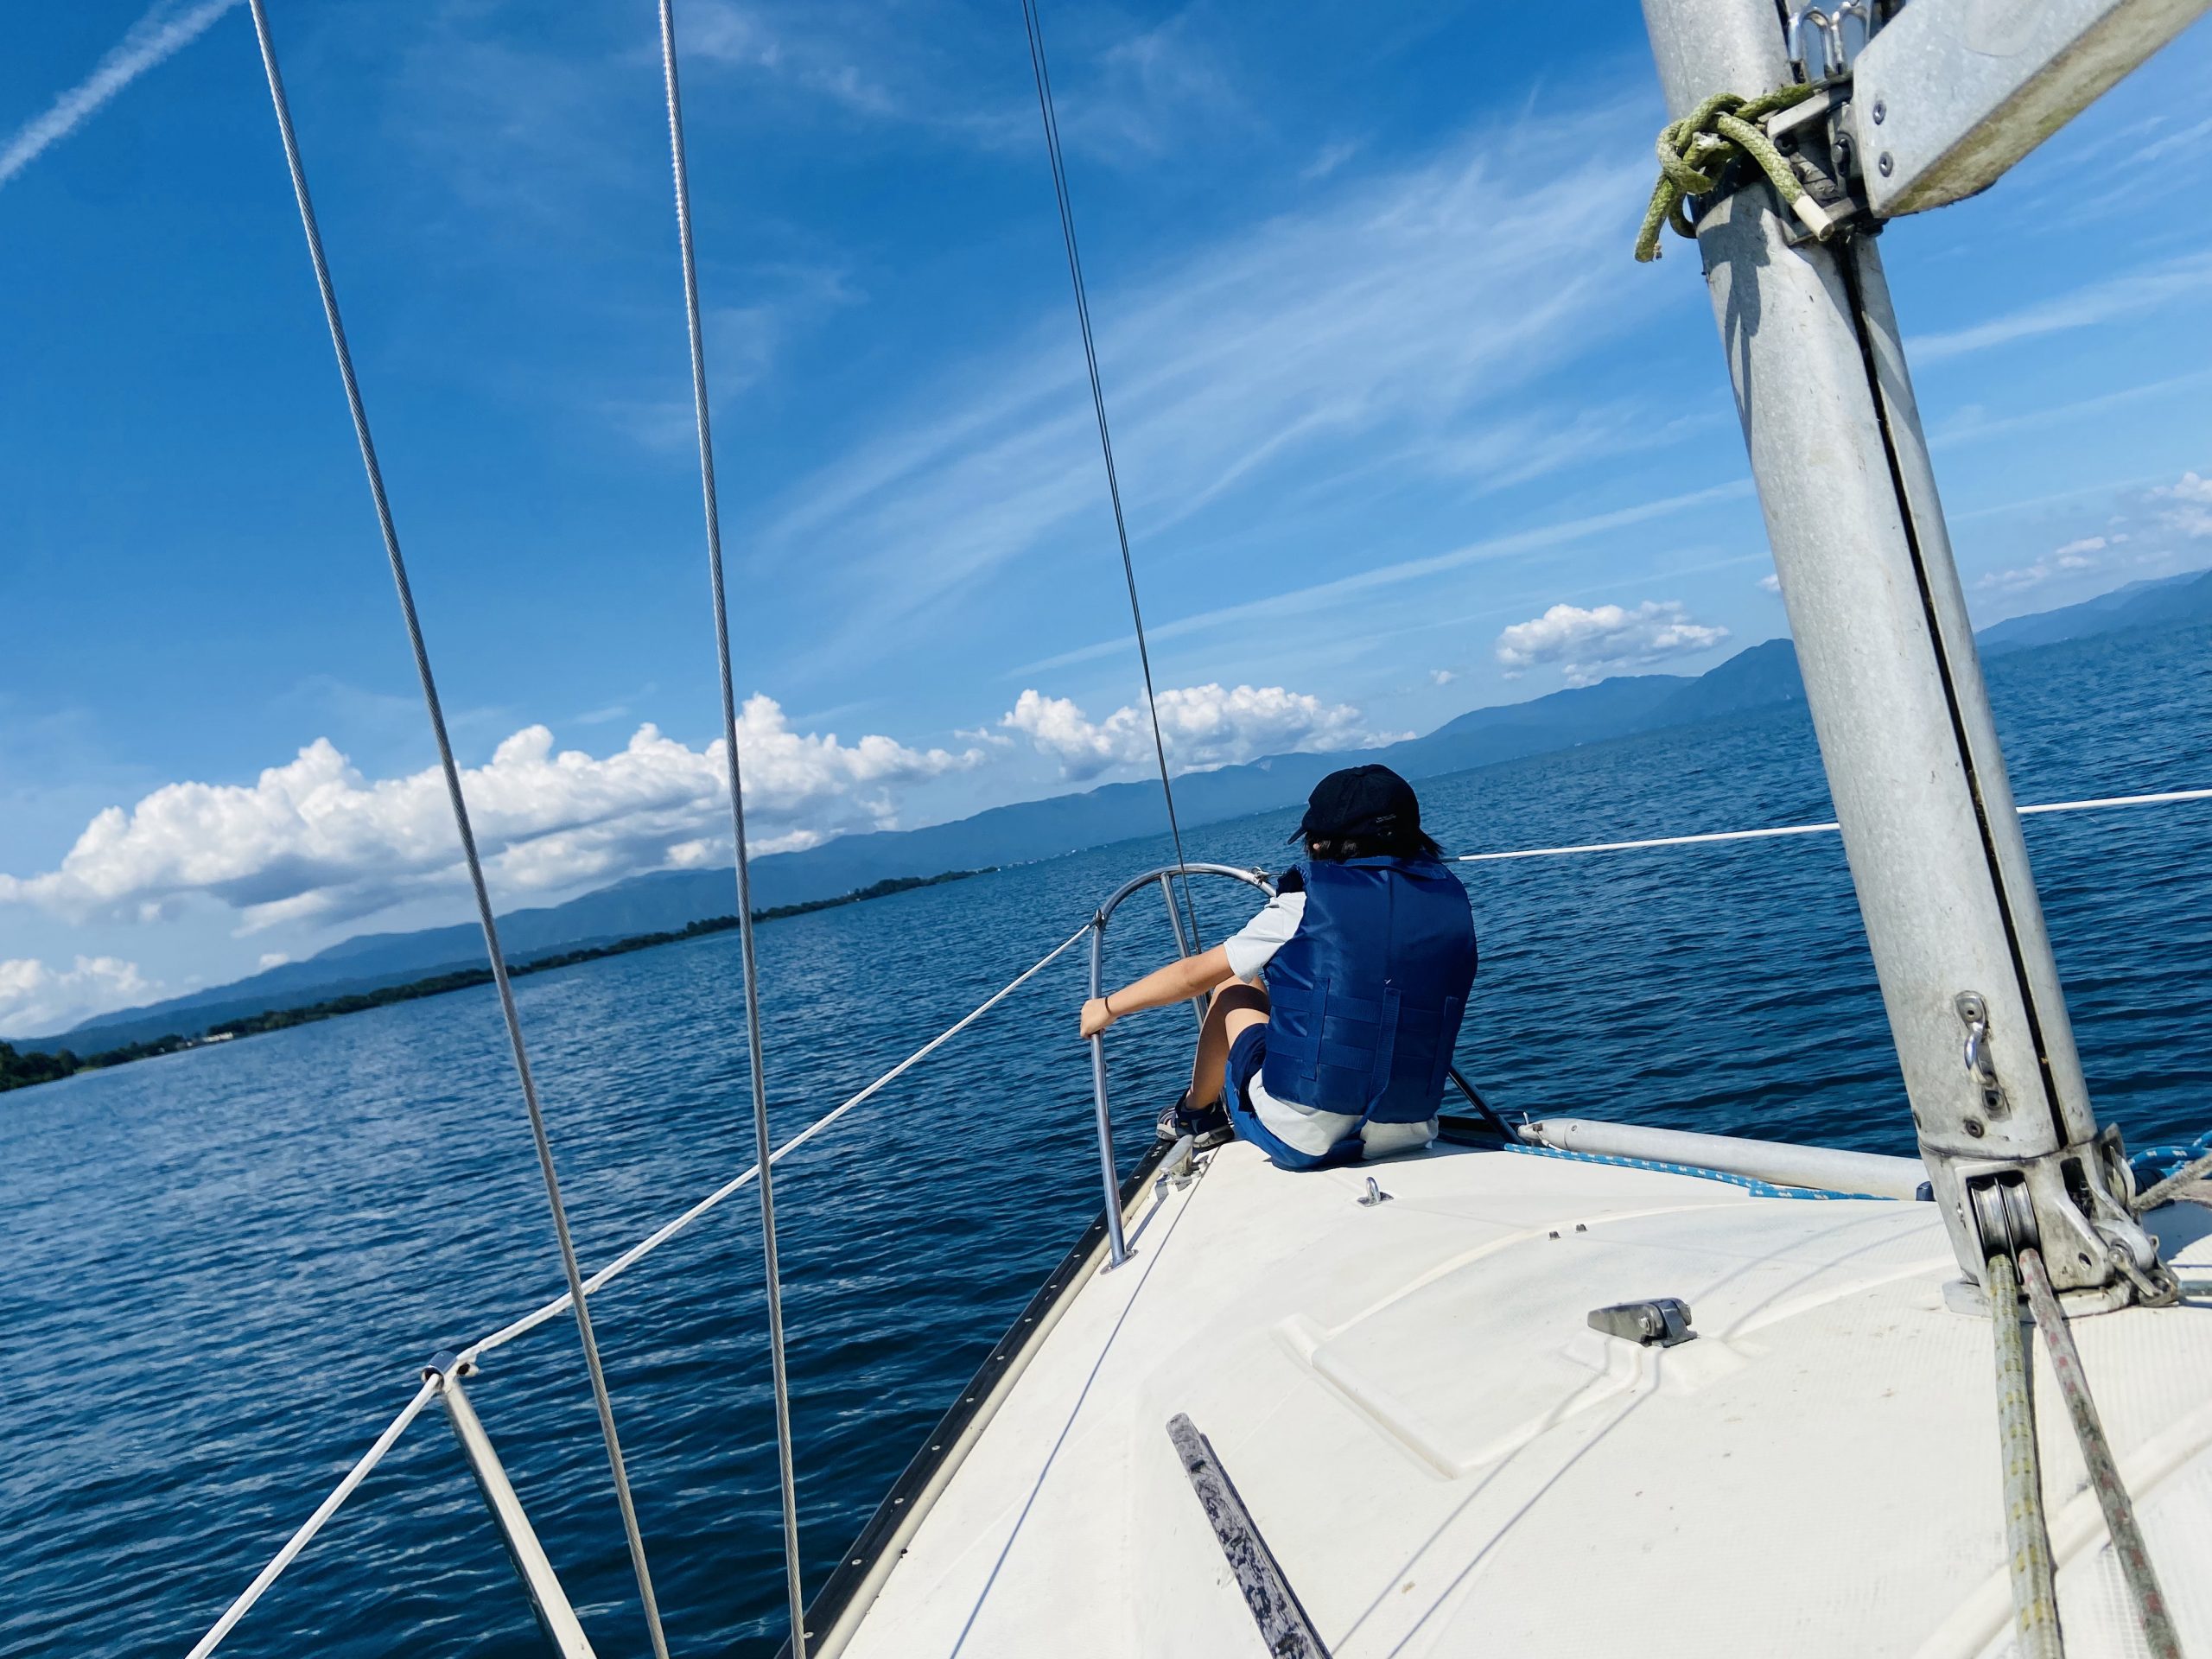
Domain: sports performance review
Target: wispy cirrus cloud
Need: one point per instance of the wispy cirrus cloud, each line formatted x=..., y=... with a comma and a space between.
x=154, y=38
x=2167, y=282
x=1403, y=314
x=1324, y=596
x=1123, y=96
x=1974, y=423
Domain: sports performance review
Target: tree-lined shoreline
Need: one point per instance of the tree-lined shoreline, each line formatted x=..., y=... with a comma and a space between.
x=22, y=1070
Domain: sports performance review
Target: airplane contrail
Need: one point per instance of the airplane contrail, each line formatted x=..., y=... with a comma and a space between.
x=160, y=34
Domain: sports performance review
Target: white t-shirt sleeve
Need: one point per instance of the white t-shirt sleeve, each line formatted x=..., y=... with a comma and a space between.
x=1253, y=946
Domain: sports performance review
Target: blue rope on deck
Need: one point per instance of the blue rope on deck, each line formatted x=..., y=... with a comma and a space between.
x=1751, y=1184
x=2154, y=1164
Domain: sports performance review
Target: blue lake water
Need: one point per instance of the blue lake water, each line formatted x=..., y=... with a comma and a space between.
x=227, y=1266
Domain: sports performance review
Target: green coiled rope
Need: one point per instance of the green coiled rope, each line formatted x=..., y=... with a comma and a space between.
x=1693, y=151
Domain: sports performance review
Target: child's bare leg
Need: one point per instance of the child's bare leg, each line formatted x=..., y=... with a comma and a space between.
x=1234, y=1006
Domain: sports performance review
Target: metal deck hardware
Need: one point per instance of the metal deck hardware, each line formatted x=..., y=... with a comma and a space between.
x=1176, y=1169
x=1974, y=1013
x=1660, y=1323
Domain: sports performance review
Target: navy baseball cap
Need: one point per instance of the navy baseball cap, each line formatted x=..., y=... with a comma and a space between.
x=1360, y=801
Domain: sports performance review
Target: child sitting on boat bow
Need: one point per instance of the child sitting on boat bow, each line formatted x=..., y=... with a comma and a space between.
x=1331, y=1015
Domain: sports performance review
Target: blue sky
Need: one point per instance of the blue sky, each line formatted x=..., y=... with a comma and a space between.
x=1387, y=389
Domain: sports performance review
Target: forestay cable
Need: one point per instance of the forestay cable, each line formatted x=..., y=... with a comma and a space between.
x=461, y=823
x=766, y=1163
x=1045, y=109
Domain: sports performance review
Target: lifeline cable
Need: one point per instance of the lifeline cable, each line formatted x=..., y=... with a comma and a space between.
x=544, y=1145
x=299, y=1540
x=537, y=1317
x=653, y=1242
x=1827, y=829
x=1045, y=109
x=766, y=1162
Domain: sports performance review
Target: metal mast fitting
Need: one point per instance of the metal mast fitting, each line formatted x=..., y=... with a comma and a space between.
x=1951, y=92
x=1927, y=818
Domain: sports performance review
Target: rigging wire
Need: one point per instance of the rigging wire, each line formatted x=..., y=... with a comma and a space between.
x=766, y=1161
x=1045, y=109
x=605, y=1406
x=653, y=1241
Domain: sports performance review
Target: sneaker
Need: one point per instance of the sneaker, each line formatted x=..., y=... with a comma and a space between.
x=1208, y=1126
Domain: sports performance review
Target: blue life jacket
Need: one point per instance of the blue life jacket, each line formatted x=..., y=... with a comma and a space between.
x=1365, y=998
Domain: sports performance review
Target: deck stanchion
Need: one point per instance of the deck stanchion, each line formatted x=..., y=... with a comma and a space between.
x=1117, y=1249
x=1182, y=940
x=1117, y=1246
x=556, y=1617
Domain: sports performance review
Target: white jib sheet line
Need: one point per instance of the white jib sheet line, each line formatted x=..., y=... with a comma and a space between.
x=1812, y=829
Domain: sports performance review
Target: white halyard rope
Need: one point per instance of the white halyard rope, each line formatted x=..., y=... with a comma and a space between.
x=1812, y=829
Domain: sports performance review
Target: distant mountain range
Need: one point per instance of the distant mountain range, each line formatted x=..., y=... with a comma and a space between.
x=2166, y=602
x=1761, y=677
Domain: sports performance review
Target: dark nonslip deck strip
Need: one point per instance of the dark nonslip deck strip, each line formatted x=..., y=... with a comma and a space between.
x=1283, y=1623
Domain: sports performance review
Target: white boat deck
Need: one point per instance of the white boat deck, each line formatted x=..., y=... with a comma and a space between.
x=1444, y=1458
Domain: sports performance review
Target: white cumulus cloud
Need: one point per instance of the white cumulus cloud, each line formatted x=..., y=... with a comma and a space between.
x=36, y=999
x=315, y=839
x=2189, y=510
x=1590, y=644
x=1202, y=726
